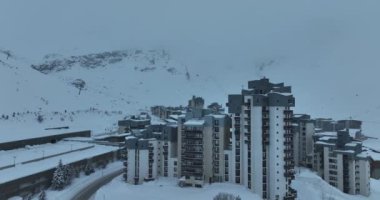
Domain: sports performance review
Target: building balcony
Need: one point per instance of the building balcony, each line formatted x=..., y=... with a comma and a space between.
x=288, y=158
x=125, y=163
x=247, y=105
x=289, y=174
x=288, y=127
x=192, y=137
x=288, y=135
x=287, y=151
x=192, y=152
x=288, y=167
x=291, y=194
x=288, y=112
x=266, y=141
x=265, y=126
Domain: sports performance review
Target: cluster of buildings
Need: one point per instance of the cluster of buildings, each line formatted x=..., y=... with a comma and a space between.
x=257, y=143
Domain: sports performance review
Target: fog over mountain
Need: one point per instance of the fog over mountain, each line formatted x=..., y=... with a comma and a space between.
x=328, y=51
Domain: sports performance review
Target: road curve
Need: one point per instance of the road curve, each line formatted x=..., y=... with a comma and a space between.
x=87, y=192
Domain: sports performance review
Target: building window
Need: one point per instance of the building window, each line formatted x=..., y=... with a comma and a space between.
x=216, y=123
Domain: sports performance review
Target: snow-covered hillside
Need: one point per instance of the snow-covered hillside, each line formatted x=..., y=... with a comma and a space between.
x=308, y=184
x=167, y=51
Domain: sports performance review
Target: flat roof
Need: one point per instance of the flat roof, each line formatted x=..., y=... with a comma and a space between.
x=12, y=136
x=83, y=151
x=194, y=122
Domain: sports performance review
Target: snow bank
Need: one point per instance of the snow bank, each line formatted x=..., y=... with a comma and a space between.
x=167, y=189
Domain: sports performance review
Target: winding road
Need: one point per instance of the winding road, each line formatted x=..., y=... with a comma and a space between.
x=88, y=191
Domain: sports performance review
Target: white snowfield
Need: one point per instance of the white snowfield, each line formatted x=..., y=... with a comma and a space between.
x=308, y=185
x=311, y=187
x=167, y=189
x=36, y=152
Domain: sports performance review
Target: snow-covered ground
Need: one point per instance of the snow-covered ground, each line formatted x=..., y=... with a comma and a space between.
x=310, y=186
x=78, y=184
x=167, y=189
x=36, y=152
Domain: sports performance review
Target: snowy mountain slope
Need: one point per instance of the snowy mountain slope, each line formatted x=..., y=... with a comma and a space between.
x=310, y=186
x=326, y=50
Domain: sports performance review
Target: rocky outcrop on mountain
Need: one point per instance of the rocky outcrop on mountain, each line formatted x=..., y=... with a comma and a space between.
x=148, y=60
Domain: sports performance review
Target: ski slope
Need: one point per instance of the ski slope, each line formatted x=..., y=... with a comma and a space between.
x=326, y=50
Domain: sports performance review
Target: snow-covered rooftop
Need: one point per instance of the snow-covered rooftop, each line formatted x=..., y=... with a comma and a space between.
x=157, y=121
x=195, y=122
x=9, y=136
x=324, y=143
x=345, y=151
x=219, y=116
x=174, y=117
x=352, y=144
x=130, y=137
x=171, y=121
x=72, y=152
x=326, y=138
x=326, y=134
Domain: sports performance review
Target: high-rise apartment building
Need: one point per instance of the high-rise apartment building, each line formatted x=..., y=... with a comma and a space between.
x=304, y=130
x=202, y=139
x=341, y=162
x=262, y=139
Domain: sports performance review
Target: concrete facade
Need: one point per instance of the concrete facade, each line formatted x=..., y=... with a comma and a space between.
x=303, y=140
x=202, y=141
x=262, y=139
x=341, y=162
